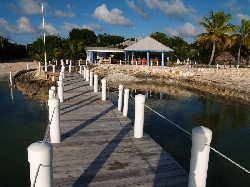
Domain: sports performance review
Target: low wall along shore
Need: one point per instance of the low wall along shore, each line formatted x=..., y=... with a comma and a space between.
x=229, y=82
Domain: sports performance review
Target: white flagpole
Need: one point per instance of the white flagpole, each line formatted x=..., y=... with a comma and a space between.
x=45, y=57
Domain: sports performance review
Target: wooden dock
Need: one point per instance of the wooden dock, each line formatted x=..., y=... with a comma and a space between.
x=98, y=147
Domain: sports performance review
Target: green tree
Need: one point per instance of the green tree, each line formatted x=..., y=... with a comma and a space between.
x=243, y=36
x=160, y=37
x=76, y=48
x=105, y=40
x=84, y=35
x=53, y=48
x=218, y=30
x=181, y=49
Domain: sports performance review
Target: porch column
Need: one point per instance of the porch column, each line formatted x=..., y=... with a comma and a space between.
x=148, y=58
x=162, y=59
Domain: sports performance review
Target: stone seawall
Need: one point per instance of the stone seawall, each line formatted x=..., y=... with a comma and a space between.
x=229, y=82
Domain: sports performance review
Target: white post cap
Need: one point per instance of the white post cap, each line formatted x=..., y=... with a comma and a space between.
x=201, y=135
x=40, y=152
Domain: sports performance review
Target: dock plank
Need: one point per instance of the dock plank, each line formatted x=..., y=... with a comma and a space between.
x=98, y=147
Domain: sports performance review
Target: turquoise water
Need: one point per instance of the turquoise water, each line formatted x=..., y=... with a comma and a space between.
x=23, y=122
x=228, y=120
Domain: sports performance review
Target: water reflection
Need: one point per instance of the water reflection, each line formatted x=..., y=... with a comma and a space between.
x=227, y=118
x=12, y=95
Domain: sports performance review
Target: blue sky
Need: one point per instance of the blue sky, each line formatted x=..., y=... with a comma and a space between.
x=21, y=21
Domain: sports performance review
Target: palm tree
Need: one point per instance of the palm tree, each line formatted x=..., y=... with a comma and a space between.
x=218, y=30
x=243, y=36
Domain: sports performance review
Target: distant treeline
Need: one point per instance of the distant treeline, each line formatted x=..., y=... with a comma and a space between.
x=11, y=51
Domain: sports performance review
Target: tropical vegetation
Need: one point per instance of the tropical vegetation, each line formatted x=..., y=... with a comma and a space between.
x=219, y=36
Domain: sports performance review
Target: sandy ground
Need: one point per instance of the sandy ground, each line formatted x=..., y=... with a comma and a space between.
x=14, y=67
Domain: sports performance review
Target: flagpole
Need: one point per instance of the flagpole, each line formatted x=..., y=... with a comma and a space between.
x=44, y=49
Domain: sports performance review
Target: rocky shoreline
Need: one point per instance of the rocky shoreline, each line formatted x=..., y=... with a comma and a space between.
x=230, y=83
x=29, y=83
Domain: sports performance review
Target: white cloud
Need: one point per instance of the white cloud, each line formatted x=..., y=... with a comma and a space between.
x=69, y=26
x=186, y=30
x=233, y=6
x=50, y=30
x=23, y=26
x=137, y=8
x=62, y=14
x=242, y=16
x=173, y=9
x=29, y=7
x=111, y=17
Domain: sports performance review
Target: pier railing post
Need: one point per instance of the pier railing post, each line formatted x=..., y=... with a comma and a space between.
x=60, y=90
x=39, y=68
x=87, y=75
x=55, y=131
x=70, y=68
x=95, y=83
x=84, y=72
x=139, y=115
x=120, y=97
x=51, y=93
x=11, y=80
x=201, y=137
x=40, y=159
x=54, y=68
x=53, y=88
x=125, y=105
x=80, y=71
x=104, y=87
x=91, y=78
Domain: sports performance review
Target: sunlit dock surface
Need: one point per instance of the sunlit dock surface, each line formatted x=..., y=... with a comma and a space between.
x=98, y=147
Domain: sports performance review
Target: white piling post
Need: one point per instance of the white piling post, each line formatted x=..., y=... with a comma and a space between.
x=104, y=85
x=120, y=97
x=84, y=72
x=27, y=66
x=139, y=115
x=120, y=62
x=201, y=137
x=53, y=88
x=63, y=72
x=80, y=71
x=56, y=62
x=70, y=68
x=51, y=93
x=95, y=83
x=79, y=62
x=39, y=67
x=40, y=156
x=125, y=106
x=54, y=68
x=91, y=78
x=60, y=90
x=55, y=132
x=87, y=75
x=11, y=80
